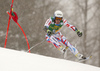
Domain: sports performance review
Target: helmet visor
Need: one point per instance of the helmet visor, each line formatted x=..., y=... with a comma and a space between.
x=58, y=18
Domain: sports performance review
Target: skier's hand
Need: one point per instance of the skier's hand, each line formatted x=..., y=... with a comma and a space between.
x=50, y=32
x=79, y=33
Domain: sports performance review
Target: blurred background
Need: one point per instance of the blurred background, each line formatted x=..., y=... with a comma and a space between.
x=84, y=14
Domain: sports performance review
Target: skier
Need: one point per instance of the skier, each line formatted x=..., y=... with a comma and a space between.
x=54, y=36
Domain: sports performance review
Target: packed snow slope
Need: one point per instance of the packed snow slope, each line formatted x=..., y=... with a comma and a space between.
x=11, y=60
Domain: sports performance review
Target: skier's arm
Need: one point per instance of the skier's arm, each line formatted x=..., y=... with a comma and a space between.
x=66, y=23
x=48, y=22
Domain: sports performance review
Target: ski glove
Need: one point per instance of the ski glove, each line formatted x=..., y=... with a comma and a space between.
x=50, y=32
x=78, y=32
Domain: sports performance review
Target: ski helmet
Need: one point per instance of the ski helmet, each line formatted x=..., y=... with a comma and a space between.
x=58, y=14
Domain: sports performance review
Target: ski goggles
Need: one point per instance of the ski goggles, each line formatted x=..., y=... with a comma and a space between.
x=58, y=18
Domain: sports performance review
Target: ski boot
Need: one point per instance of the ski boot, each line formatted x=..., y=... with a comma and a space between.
x=80, y=56
x=63, y=50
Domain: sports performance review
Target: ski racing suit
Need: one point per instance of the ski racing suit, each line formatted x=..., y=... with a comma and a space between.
x=56, y=38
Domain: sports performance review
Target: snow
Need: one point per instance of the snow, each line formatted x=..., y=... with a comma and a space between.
x=11, y=60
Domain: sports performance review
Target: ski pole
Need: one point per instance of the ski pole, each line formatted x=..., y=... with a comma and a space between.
x=35, y=45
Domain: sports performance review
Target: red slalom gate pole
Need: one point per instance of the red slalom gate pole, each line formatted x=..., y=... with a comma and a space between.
x=8, y=25
x=22, y=31
x=7, y=32
x=14, y=16
x=25, y=36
